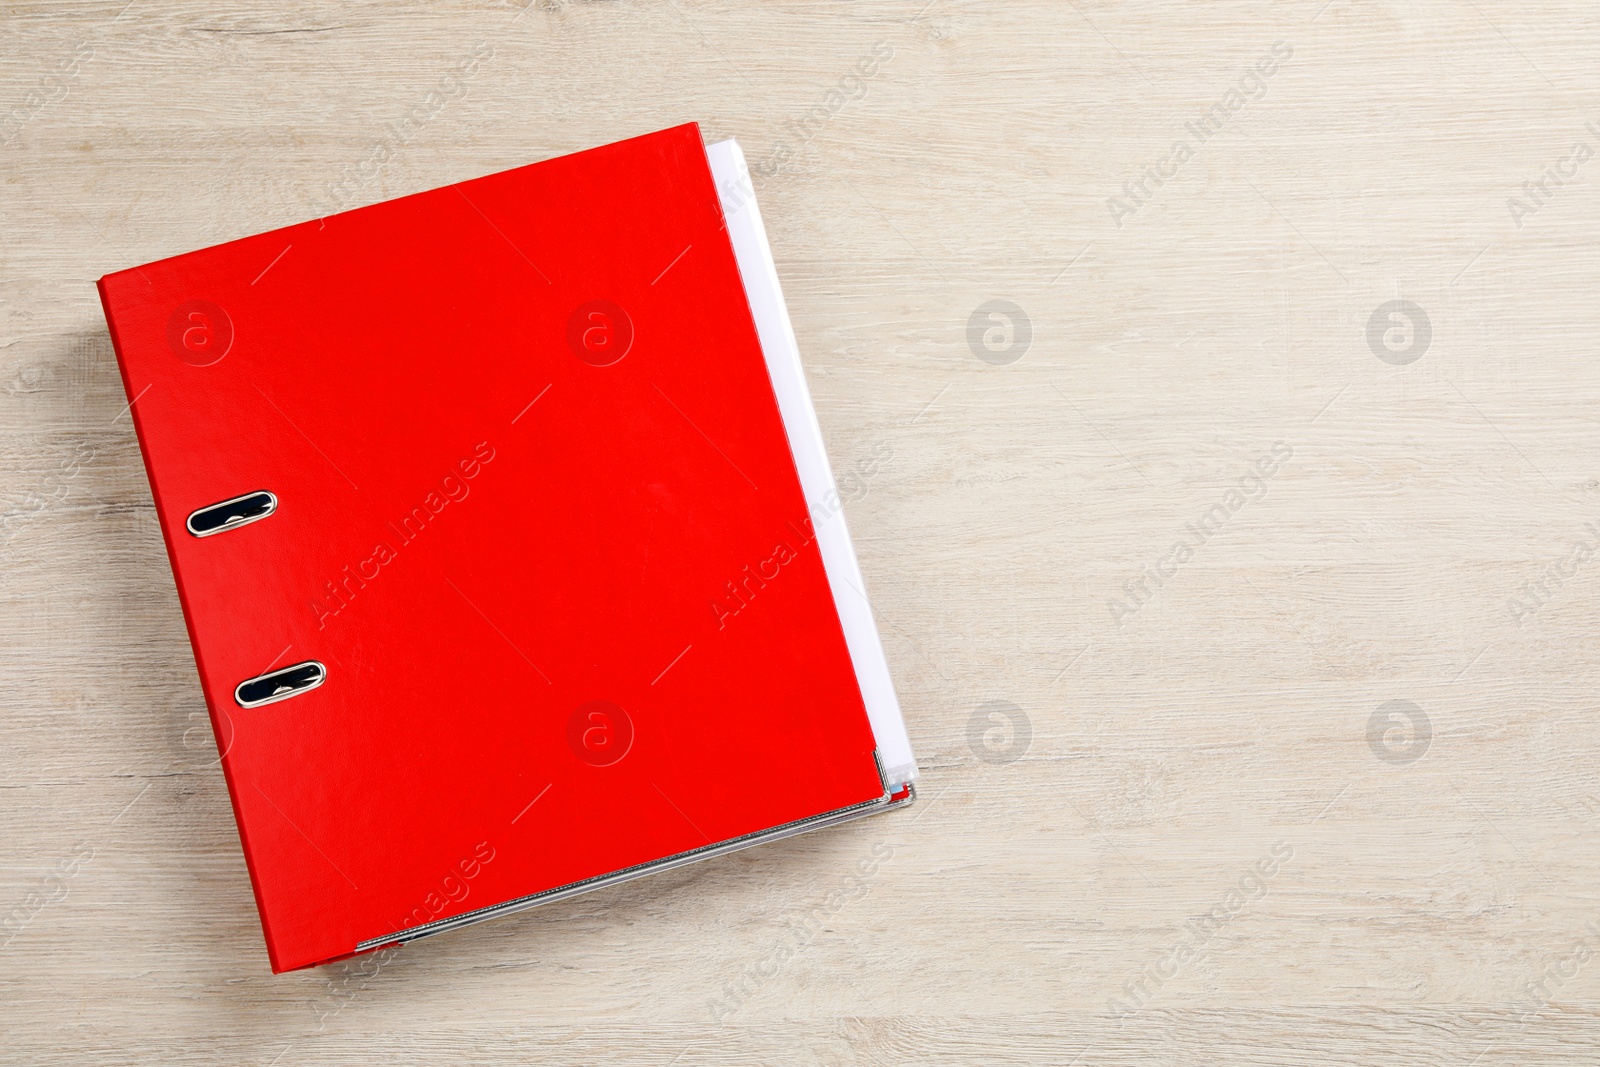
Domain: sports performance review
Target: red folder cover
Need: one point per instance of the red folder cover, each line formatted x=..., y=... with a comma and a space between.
x=499, y=577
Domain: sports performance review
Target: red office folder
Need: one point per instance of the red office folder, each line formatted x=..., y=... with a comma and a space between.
x=500, y=580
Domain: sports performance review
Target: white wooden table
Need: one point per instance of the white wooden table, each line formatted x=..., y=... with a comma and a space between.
x=1172, y=812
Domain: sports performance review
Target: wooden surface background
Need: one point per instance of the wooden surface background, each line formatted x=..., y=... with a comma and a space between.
x=1176, y=824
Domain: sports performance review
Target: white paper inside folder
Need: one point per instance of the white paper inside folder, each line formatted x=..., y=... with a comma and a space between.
x=760, y=276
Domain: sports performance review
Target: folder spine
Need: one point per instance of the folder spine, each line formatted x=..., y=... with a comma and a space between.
x=114, y=299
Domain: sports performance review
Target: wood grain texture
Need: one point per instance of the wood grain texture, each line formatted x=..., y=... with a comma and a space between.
x=1097, y=895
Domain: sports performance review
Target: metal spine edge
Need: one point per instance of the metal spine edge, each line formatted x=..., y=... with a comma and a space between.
x=547, y=896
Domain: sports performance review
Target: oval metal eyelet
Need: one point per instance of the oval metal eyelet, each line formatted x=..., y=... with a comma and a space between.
x=280, y=684
x=231, y=514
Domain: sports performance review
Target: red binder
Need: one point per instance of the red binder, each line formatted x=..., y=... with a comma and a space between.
x=460, y=492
